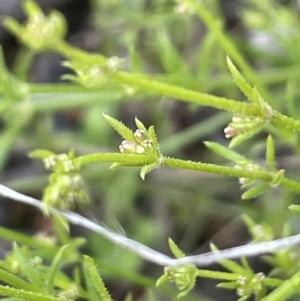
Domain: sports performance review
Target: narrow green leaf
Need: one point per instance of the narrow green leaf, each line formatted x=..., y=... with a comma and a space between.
x=162, y=279
x=277, y=177
x=25, y=295
x=255, y=191
x=257, y=98
x=54, y=268
x=14, y=280
x=62, y=228
x=70, y=77
x=243, y=137
x=116, y=165
x=27, y=240
x=28, y=270
x=146, y=169
x=153, y=138
x=90, y=287
x=41, y=154
x=228, y=264
x=226, y=153
x=31, y=8
x=123, y=130
x=244, y=298
x=270, y=153
x=245, y=264
x=171, y=60
x=97, y=280
x=295, y=209
x=239, y=80
x=175, y=250
x=13, y=26
x=140, y=125
x=248, y=221
x=227, y=285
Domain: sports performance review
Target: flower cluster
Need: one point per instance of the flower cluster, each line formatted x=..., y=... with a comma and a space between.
x=242, y=125
x=184, y=277
x=40, y=32
x=66, y=183
x=139, y=145
x=248, y=285
x=93, y=74
x=13, y=260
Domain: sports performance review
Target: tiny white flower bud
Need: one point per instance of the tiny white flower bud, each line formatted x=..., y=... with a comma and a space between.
x=139, y=149
x=230, y=132
x=128, y=147
x=140, y=135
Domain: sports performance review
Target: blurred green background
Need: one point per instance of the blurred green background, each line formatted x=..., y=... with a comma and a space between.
x=154, y=38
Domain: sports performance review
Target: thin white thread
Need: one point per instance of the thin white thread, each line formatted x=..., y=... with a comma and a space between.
x=154, y=256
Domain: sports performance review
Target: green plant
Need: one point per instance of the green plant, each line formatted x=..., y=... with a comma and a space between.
x=27, y=275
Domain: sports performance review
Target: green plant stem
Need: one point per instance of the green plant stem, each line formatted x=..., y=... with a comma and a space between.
x=26, y=240
x=141, y=160
x=285, y=290
x=96, y=278
x=290, y=185
x=218, y=169
x=13, y=292
x=176, y=92
x=217, y=275
x=231, y=172
x=286, y=121
x=61, y=87
x=67, y=101
x=126, y=159
x=14, y=280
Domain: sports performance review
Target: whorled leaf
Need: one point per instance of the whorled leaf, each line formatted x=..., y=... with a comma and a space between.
x=122, y=129
x=226, y=153
x=240, y=81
